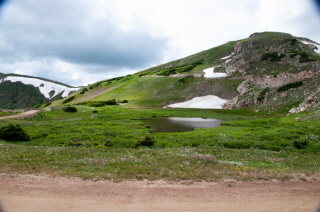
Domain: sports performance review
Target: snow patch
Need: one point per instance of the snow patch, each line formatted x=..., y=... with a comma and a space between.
x=209, y=73
x=203, y=102
x=317, y=45
x=227, y=57
x=45, y=87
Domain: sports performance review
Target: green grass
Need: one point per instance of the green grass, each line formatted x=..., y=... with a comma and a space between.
x=172, y=164
x=249, y=146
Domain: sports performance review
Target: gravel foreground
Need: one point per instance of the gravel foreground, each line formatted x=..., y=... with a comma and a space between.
x=40, y=193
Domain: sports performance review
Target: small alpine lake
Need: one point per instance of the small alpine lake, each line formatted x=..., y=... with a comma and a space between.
x=179, y=124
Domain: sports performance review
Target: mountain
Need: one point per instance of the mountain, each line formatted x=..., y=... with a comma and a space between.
x=20, y=91
x=267, y=71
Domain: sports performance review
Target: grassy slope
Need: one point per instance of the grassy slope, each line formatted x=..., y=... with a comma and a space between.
x=151, y=91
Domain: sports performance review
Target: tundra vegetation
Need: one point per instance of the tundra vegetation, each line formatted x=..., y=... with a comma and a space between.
x=115, y=145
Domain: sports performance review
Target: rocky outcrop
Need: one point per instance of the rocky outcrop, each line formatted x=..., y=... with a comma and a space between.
x=311, y=101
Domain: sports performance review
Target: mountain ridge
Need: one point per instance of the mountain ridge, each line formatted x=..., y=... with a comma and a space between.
x=21, y=91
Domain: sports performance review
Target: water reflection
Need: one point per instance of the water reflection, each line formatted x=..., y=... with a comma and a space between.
x=177, y=124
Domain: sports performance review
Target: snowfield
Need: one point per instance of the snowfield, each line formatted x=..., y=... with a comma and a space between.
x=45, y=87
x=317, y=45
x=202, y=102
x=209, y=73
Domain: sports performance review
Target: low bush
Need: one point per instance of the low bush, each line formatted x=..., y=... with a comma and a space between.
x=99, y=103
x=147, y=141
x=13, y=132
x=83, y=90
x=300, y=144
x=262, y=94
x=68, y=100
x=272, y=57
x=185, y=78
x=305, y=58
x=123, y=101
x=69, y=109
x=289, y=86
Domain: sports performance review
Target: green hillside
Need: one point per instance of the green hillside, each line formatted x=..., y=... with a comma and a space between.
x=257, y=68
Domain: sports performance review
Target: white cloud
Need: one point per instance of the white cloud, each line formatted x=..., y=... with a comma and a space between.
x=78, y=41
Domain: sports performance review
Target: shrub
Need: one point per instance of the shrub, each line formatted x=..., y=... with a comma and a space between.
x=83, y=90
x=289, y=86
x=47, y=104
x=68, y=100
x=123, y=101
x=13, y=132
x=293, y=42
x=300, y=144
x=305, y=58
x=167, y=72
x=147, y=141
x=69, y=109
x=99, y=103
x=262, y=94
x=183, y=79
x=272, y=57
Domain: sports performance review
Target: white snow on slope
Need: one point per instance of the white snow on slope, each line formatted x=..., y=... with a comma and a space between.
x=209, y=73
x=45, y=87
x=317, y=45
x=203, y=102
x=227, y=57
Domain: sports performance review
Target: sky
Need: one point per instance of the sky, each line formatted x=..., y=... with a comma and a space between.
x=79, y=42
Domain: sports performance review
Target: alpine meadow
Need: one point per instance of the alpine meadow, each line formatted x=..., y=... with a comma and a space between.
x=264, y=89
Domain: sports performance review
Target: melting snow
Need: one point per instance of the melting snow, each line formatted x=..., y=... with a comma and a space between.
x=203, y=102
x=317, y=45
x=209, y=73
x=227, y=57
x=45, y=87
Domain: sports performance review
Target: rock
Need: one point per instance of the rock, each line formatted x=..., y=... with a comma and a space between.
x=311, y=101
x=94, y=115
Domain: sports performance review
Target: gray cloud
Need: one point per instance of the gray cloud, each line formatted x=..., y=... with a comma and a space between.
x=80, y=42
x=71, y=31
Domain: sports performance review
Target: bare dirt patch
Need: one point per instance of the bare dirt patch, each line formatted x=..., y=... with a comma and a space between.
x=92, y=94
x=40, y=193
x=28, y=114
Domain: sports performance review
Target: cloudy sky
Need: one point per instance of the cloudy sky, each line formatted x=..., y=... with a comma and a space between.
x=78, y=42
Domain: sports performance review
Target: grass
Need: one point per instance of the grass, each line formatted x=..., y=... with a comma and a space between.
x=250, y=146
x=172, y=164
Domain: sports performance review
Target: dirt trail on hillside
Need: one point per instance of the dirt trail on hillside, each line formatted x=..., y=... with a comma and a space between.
x=40, y=193
x=24, y=115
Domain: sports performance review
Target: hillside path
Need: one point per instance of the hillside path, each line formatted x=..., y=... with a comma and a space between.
x=24, y=115
x=40, y=193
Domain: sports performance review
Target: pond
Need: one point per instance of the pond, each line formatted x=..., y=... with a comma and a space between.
x=178, y=124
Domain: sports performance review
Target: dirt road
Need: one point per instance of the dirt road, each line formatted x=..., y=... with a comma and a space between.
x=28, y=114
x=40, y=193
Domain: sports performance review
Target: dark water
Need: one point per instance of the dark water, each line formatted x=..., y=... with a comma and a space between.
x=176, y=124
